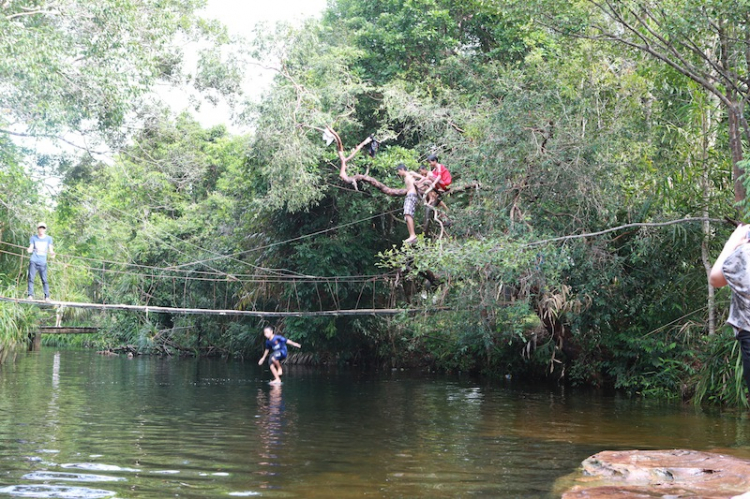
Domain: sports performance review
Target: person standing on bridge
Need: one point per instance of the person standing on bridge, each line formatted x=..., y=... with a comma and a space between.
x=40, y=245
x=277, y=344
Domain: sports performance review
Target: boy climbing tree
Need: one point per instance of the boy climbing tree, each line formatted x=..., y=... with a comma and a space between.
x=410, y=201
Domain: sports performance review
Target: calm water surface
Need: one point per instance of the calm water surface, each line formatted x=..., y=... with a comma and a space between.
x=79, y=425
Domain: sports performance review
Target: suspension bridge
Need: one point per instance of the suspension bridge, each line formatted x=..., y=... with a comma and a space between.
x=183, y=284
x=225, y=312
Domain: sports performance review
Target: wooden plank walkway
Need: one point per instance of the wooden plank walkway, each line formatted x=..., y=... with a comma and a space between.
x=202, y=311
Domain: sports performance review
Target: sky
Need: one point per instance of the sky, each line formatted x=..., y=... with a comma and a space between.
x=240, y=17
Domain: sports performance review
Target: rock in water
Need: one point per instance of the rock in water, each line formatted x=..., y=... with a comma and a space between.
x=674, y=474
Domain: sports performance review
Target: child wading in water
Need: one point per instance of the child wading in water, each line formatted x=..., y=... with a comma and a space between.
x=277, y=344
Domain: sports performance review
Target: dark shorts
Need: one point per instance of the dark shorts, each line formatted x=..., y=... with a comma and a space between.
x=441, y=187
x=277, y=355
x=410, y=204
x=743, y=337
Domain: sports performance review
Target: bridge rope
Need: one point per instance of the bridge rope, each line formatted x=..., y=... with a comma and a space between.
x=261, y=274
x=151, y=279
x=196, y=275
x=146, y=281
x=228, y=312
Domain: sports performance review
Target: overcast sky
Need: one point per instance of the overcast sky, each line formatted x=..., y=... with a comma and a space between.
x=240, y=17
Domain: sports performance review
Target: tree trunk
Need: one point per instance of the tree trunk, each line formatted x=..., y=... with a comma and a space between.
x=710, y=292
x=735, y=145
x=709, y=132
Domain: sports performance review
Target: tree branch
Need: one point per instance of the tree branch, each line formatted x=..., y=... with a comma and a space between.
x=680, y=65
x=359, y=177
x=53, y=137
x=30, y=13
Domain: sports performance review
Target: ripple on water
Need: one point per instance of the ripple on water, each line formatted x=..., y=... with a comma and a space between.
x=55, y=492
x=97, y=467
x=70, y=477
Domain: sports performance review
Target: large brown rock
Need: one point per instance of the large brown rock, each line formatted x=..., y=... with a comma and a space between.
x=673, y=474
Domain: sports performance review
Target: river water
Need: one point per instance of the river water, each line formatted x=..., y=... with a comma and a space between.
x=74, y=424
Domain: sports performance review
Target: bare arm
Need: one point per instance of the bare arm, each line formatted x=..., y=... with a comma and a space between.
x=293, y=343
x=739, y=237
x=433, y=181
x=265, y=354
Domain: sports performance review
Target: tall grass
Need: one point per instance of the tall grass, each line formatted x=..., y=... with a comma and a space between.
x=720, y=379
x=16, y=323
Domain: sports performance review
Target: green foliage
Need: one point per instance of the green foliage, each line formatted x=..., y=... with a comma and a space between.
x=720, y=380
x=80, y=65
x=180, y=207
x=16, y=323
x=408, y=39
x=502, y=287
x=565, y=135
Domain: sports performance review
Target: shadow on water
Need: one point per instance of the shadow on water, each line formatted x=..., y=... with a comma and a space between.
x=79, y=425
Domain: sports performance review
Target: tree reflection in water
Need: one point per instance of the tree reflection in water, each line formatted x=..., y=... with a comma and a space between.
x=271, y=422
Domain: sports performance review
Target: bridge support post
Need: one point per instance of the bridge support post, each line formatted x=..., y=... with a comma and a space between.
x=36, y=342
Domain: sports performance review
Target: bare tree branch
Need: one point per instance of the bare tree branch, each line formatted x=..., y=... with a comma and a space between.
x=54, y=137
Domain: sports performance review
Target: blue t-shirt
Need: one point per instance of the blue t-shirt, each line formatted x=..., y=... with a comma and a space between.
x=277, y=344
x=41, y=247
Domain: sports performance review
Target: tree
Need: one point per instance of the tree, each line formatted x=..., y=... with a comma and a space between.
x=160, y=226
x=568, y=137
x=408, y=40
x=81, y=65
x=18, y=205
x=706, y=41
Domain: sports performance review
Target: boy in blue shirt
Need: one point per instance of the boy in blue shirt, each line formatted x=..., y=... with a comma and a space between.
x=40, y=245
x=277, y=344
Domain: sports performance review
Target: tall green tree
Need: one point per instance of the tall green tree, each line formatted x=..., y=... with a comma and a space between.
x=706, y=41
x=80, y=65
x=159, y=226
x=566, y=136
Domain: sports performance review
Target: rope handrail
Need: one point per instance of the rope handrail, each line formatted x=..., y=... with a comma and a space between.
x=229, y=312
x=182, y=274
x=165, y=274
x=299, y=278
x=625, y=226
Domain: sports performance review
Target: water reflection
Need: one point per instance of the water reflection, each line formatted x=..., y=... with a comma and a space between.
x=70, y=477
x=55, y=492
x=98, y=467
x=56, y=372
x=210, y=429
x=270, y=421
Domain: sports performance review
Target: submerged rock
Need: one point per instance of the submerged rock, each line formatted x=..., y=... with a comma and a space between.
x=673, y=474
